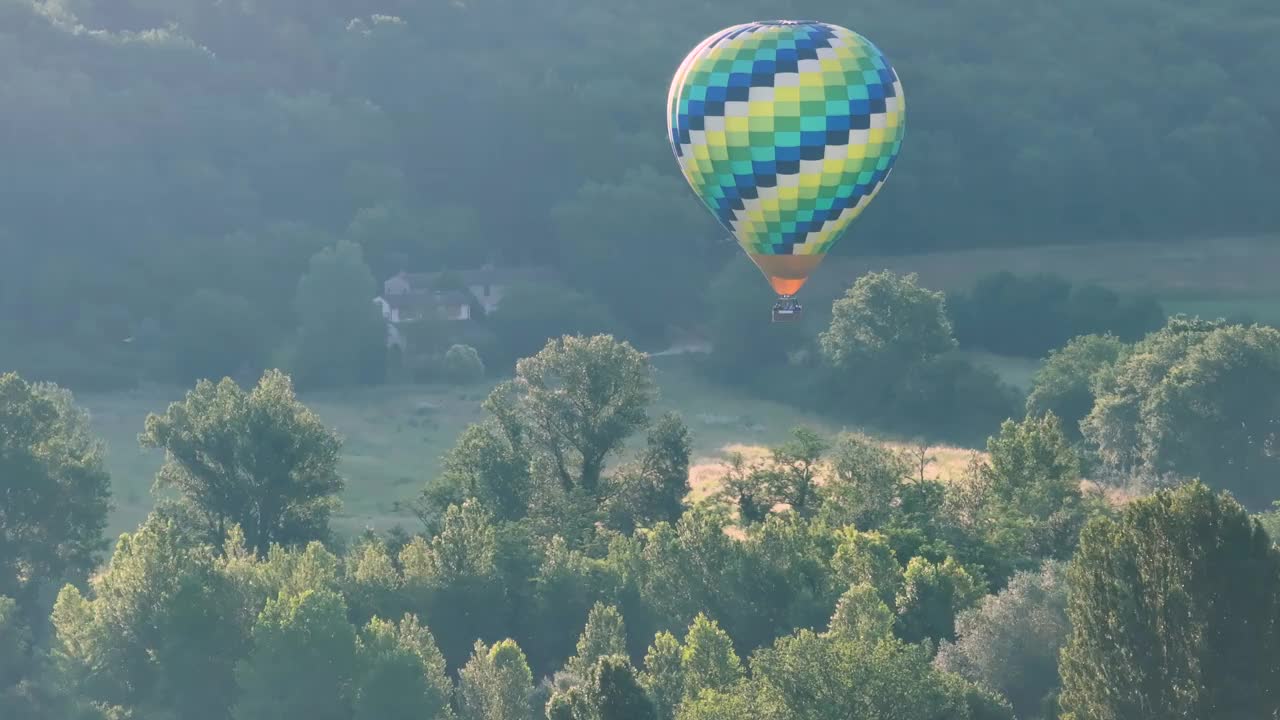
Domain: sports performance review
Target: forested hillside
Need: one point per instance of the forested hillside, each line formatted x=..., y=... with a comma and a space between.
x=222, y=222
x=159, y=149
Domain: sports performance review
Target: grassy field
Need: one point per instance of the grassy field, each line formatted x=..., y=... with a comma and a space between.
x=395, y=436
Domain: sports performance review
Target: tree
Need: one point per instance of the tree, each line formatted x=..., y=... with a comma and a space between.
x=371, y=583
x=708, y=661
x=161, y=631
x=653, y=490
x=401, y=674
x=454, y=579
x=260, y=459
x=15, y=645
x=1216, y=416
x=394, y=237
x=303, y=662
x=1010, y=641
x=1167, y=575
x=861, y=616
x=866, y=477
x=495, y=684
x=931, y=596
x=342, y=338
x=609, y=245
x=614, y=693
x=217, y=335
x=742, y=348
x=1033, y=482
x=796, y=468
x=580, y=399
x=813, y=677
x=529, y=314
x=462, y=364
x=1195, y=399
x=489, y=463
x=1113, y=427
x=1064, y=383
x=56, y=491
x=604, y=635
x=885, y=325
x=747, y=488
x=866, y=558
x=663, y=677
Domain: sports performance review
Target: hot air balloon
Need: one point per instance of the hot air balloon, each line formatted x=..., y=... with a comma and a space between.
x=786, y=130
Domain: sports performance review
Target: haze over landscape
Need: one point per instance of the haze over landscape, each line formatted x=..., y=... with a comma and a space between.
x=373, y=359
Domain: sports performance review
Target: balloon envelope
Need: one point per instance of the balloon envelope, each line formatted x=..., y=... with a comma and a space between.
x=786, y=130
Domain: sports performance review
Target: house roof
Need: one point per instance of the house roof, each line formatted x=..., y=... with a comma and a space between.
x=435, y=299
x=483, y=276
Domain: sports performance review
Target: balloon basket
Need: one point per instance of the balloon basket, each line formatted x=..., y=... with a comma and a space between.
x=787, y=309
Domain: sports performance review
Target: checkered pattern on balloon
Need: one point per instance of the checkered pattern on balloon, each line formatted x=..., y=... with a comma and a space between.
x=786, y=131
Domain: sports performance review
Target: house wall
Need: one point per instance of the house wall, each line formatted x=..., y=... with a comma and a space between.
x=489, y=296
x=396, y=286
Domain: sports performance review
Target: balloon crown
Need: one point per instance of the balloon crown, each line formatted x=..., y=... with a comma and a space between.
x=786, y=22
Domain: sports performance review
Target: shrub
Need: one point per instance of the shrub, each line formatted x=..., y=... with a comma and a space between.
x=462, y=364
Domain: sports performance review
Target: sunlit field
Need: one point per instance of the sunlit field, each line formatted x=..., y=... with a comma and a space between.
x=395, y=436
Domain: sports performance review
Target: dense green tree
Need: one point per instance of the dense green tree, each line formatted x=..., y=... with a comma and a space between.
x=489, y=463
x=614, y=692
x=371, y=583
x=1114, y=427
x=811, y=677
x=866, y=558
x=738, y=702
x=747, y=488
x=1010, y=641
x=303, y=662
x=796, y=470
x=568, y=586
x=56, y=491
x=866, y=478
x=663, y=676
x=28, y=687
x=394, y=237
x=887, y=335
x=1031, y=315
x=260, y=459
x=861, y=616
x=15, y=644
x=1162, y=622
x=885, y=324
x=496, y=684
x=708, y=660
x=342, y=337
x=653, y=490
x=932, y=595
x=461, y=363
x=580, y=398
x=160, y=632
x=695, y=567
x=401, y=674
x=604, y=635
x=1064, y=384
x=1195, y=399
x=1033, y=502
x=453, y=579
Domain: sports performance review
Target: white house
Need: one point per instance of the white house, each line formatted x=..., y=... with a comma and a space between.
x=487, y=285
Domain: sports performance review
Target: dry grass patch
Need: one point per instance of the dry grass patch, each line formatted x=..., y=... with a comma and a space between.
x=941, y=463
